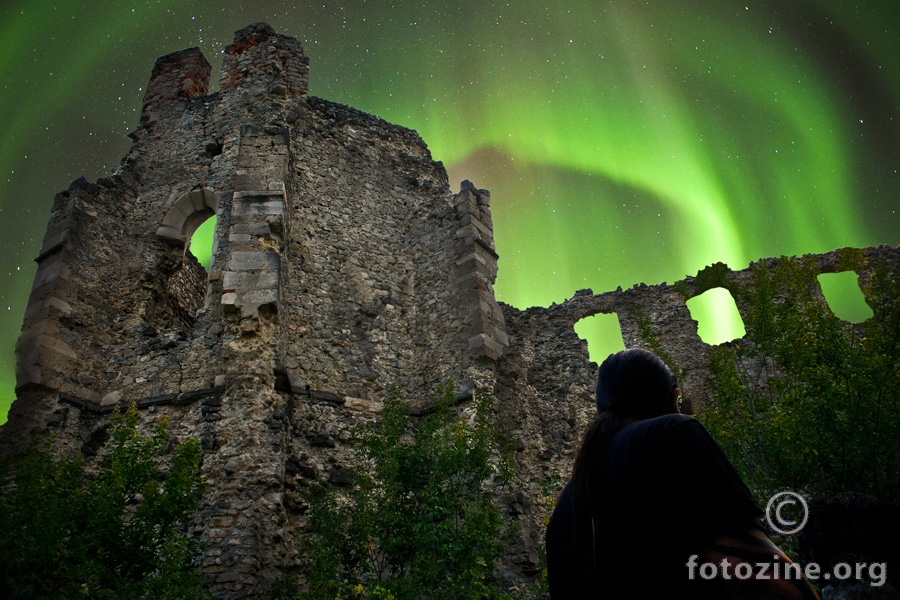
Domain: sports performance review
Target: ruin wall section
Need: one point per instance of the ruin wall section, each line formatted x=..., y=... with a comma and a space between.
x=545, y=380
x=342, y=266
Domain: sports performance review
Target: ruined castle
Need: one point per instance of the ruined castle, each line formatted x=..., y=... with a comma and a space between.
x=342, y=265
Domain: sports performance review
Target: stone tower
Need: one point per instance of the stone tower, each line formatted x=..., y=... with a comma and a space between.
x=342, y=266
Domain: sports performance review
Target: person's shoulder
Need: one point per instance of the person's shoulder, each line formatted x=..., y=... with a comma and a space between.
x=673, y=422
x=671, y=430
x=652, y=433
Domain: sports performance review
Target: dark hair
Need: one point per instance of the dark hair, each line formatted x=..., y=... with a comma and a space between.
x=632, y=385
x=635, y=383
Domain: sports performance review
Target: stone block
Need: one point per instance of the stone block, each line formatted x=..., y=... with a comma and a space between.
x=27, y=375
x=60, y=305
x=360, y=405
x=501, y=336
x=111, y=398
x=483, y=346
x=84, y=393
x=259, y=229
x=49, y=272
x=473, y=280
x=259, y=209
x=256, y=195
x=266, y=280
x=51, y=343
x=52, y=244
x=481, y=306
x=172, y=235
x=469, y=233
x=232, y=280
x=42, y=327
x=176, y=216
x=470, y=219
x=199, y=200
x=249, y=261
x=257, y=298
x=466, y=202
x=229, y=298
x=470, y=261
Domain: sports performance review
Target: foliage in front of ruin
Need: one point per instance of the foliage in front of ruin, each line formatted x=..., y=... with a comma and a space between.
x=807, y=401
x=420, y=518
x=119, y=534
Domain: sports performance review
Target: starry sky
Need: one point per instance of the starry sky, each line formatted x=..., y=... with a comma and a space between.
x=623, y=141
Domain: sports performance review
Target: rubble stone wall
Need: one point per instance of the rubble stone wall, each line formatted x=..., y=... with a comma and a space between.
x=342, y=266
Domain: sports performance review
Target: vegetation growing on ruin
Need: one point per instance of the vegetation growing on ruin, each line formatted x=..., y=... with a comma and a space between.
x=807, y=401
x=649, y=337
x=419, y=519
x=120, y=534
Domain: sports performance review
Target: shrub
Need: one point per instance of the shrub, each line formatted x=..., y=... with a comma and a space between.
x=418, y=520
x=120, y=534
x=807, y=401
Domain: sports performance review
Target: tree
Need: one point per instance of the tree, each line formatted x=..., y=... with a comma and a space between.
x=121, y=534
x=419, y=519
x=807, y=401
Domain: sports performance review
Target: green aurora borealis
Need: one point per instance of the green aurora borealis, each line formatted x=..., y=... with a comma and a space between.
x=622, y=142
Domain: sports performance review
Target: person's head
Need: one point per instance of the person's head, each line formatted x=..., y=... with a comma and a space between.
x=632, y=385
x=636, y=384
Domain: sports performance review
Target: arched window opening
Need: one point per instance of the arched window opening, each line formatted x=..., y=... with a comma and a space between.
x=844, y=297
x=717, y=316
x=201, y=242
x=188, y=228
x=603, y=335
x=189, y=214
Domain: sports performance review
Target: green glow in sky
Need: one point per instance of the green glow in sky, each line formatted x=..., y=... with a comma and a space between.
x=622, y=142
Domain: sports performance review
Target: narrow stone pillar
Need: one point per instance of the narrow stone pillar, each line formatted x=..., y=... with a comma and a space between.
x=251, y=274
x=44, y=358
x=476, y=271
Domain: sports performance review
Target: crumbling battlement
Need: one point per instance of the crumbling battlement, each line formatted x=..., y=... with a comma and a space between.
x=342, y=266
x=178, y=76
x=656, y=317
x=262, y=60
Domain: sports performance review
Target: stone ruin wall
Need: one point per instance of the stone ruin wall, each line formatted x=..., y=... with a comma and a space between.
x=342, y=266
x=545, y=380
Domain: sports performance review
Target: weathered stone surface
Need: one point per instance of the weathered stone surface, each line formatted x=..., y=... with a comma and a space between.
x=343, y=266
x=333, y=279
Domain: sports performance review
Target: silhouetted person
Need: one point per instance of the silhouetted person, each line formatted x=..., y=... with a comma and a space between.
x=651, y=489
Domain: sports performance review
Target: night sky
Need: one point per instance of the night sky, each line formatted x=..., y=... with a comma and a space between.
x=622, y=141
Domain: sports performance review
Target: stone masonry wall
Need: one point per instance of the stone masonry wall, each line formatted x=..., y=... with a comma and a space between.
x=343, y=266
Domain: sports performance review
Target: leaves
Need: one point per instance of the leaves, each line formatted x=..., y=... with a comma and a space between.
x=118, y=535
x=420, y=519
x=807, y=401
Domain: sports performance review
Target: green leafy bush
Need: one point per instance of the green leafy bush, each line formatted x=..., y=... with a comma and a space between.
x=117, y=535
x=418, y=520
x=807, y=401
